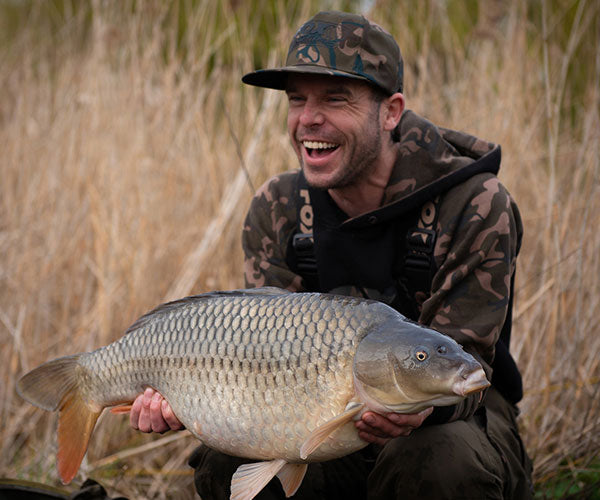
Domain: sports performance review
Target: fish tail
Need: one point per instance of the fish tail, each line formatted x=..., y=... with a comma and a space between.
x=55, y=386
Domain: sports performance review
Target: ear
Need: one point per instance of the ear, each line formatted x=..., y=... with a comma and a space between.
x=393, y=108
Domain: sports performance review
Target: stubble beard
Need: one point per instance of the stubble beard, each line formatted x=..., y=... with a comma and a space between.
x=361, y=163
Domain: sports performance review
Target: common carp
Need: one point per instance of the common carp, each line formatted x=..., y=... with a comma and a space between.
x=263, y=373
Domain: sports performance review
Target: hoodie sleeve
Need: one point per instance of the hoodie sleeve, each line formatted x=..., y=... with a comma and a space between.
x=269, y=224
x=479, y=234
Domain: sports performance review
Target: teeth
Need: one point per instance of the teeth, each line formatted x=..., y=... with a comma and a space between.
x=318, y=145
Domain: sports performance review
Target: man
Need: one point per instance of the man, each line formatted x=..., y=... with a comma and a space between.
x=388, y=206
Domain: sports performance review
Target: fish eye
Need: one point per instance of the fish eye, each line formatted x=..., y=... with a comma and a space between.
x=421, y=355
x=442, y=349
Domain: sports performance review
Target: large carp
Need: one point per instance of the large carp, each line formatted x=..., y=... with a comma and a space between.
x=265, y=374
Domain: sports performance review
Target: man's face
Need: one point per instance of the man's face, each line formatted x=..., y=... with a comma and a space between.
x=334, y=126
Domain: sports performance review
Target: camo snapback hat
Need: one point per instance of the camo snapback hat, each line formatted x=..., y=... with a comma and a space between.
x=339, y=44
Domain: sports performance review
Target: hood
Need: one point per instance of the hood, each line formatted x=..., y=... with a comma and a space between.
x=431, y=161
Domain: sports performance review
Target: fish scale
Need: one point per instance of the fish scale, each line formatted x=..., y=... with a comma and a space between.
x=263, y=374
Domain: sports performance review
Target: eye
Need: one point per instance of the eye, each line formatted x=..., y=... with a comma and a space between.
x=295, y=99
x=442, y=349
x=421, y=355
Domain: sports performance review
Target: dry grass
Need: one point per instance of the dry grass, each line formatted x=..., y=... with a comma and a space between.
x=123, y=138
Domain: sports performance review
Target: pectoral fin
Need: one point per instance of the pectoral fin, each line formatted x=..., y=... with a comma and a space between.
x=249, y=479
x=291, y=476
x=320, y=434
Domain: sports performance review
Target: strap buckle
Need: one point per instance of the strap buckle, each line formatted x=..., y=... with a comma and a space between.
x=304, y=246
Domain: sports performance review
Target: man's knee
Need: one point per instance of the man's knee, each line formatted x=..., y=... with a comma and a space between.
x=453, y=460
x=213, y=471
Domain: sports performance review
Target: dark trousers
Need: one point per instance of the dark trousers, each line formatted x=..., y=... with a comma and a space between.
x=479, y=458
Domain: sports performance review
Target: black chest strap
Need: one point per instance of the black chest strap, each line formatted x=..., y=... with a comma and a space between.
x=418, y=262
x=303, y=241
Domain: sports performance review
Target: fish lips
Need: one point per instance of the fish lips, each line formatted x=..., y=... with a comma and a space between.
x=471, y=383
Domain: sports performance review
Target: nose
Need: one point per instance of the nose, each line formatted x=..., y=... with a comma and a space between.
x=311, y=114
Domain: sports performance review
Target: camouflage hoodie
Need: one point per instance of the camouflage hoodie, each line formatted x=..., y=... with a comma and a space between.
x=478, y=230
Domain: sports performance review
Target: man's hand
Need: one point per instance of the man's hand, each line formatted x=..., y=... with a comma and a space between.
x=151, y=413
x=379, y=429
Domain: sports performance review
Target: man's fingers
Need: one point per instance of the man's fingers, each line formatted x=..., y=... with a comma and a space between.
x=140, y=417
x=150, y=412
x=413, y=420
x=374, y=430
x=170, y=418
x=144, y=420
x=134, y=415
x=381, y=426
x=157, y=421
x=371, y=434
x=379, y=429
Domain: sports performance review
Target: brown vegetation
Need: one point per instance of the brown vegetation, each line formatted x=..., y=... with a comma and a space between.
x=127, y=139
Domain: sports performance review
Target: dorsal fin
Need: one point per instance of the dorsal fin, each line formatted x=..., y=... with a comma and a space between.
x=266, y=291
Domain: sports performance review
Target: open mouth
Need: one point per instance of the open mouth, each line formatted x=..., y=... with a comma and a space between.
x=318, y=149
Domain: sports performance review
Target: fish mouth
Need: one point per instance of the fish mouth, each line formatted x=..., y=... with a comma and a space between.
x=474, y=382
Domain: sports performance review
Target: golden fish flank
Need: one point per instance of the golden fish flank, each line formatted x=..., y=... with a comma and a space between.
x=262, y=373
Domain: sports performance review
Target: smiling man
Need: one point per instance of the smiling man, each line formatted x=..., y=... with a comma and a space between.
x=388, y=206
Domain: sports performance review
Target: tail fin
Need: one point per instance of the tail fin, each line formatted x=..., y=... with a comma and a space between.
x=55, y=386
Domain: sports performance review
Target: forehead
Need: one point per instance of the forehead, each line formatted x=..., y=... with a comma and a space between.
x=325, y=84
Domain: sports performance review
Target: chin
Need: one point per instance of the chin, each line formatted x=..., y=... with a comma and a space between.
x=319, y=180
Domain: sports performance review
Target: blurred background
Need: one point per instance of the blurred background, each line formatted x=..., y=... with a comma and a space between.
x=129, y=151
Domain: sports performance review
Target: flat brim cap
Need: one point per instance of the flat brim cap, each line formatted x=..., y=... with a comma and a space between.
x=338, y=44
